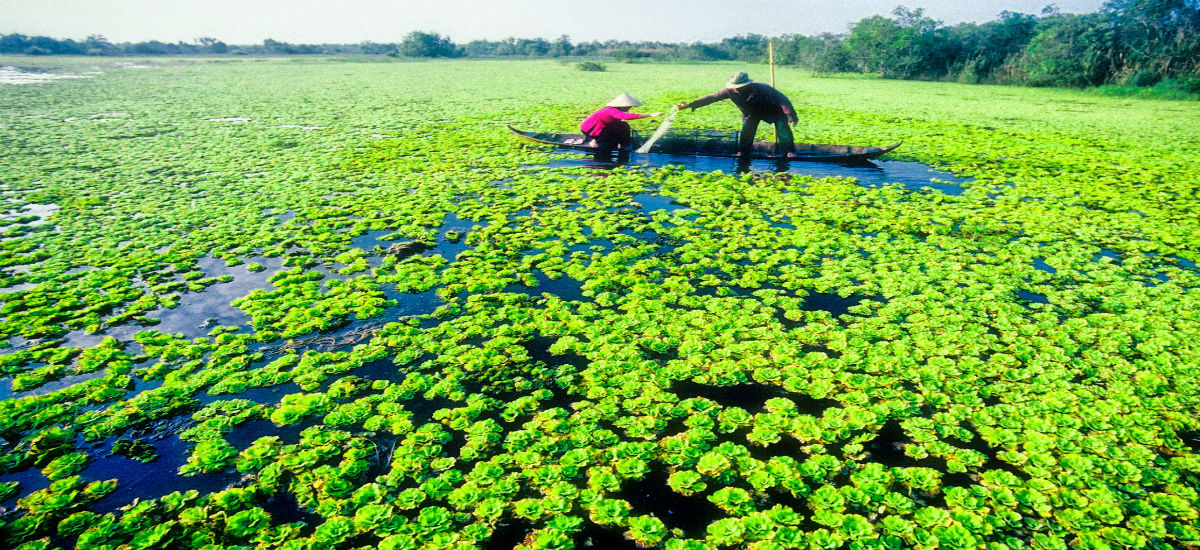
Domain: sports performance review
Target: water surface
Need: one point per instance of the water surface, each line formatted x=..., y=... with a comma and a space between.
x=876, y=173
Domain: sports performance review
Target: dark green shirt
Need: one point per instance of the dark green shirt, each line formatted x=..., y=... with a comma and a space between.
x=755, y=99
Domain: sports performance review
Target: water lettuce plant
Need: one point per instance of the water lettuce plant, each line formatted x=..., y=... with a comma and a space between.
x=343, y=328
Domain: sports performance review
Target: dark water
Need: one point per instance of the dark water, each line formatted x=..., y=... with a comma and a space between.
x=564, y=287
x=1041, y=264
x=651, y=203
x=747, y=396
x=50, y=386
x=31, y=479
x=198, y=312
x=369, y=240
x=1032, y=297
x=653, y=494
x=136, y=480
x=195, y=316
x=835, y=304
x=447, y=248
x=214, y=302
x=1106, y=253
x=876, y=173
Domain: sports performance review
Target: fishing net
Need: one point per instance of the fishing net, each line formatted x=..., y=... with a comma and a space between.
x=660, y=132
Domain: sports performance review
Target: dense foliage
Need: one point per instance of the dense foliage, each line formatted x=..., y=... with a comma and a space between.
x=1134, y=42
x=352, y=317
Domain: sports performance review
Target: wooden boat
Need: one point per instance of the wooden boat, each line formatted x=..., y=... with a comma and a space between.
x=710, y=144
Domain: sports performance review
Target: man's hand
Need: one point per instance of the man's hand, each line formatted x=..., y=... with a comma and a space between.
x=681, y=106
x=793, y=120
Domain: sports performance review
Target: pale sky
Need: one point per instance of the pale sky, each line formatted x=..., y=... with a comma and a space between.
x=353, y=21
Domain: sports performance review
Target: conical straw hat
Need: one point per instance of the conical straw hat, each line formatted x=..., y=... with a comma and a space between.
x=624, y=100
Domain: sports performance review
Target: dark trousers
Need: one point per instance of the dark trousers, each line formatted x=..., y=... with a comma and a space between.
x=615, y=135
x=784, y=143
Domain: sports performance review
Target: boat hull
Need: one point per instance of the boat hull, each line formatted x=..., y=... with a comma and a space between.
x=718, y=146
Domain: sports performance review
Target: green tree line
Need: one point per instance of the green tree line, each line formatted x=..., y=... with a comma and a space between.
x=1127, y=42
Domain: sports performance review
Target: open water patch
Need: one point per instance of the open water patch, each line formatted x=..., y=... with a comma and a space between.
x=381, y=369
x=410, y=304
x=651, y=203
x=39, y=211
x=887, y=447
x=82, y=339
x=1041, y=265
x=565, y=288
x=452, y=236
x=31, y=75
x=507, y=535
x=160, y=477
x=875, y=173
x=653, y=494
x=834, y=303
x=371, y=239
x=593, y=536
x=19, y=287
x=198, y=312
x=751, y=397
x=538, y=347
x=1032, y=297
x=244, y=435
x=284, y=508
x=1106, y=255
x=52, y=386
x=29, y=481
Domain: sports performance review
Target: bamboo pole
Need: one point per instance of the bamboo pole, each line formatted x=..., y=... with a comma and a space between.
x=771, y=62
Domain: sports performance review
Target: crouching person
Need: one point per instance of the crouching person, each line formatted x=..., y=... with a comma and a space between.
x=609, y=129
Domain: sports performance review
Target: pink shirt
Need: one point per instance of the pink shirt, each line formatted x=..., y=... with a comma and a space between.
x=601, y=119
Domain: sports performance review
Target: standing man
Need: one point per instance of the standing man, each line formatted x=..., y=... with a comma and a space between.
x=758, y=102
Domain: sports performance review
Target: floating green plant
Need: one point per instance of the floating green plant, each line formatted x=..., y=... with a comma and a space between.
x=776, y=361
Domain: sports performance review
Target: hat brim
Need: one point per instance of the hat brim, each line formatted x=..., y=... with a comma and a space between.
x=623, y=100
x=738, y=85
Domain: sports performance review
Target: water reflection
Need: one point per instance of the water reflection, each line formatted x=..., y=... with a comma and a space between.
x=138, y=481
x=911, y=175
